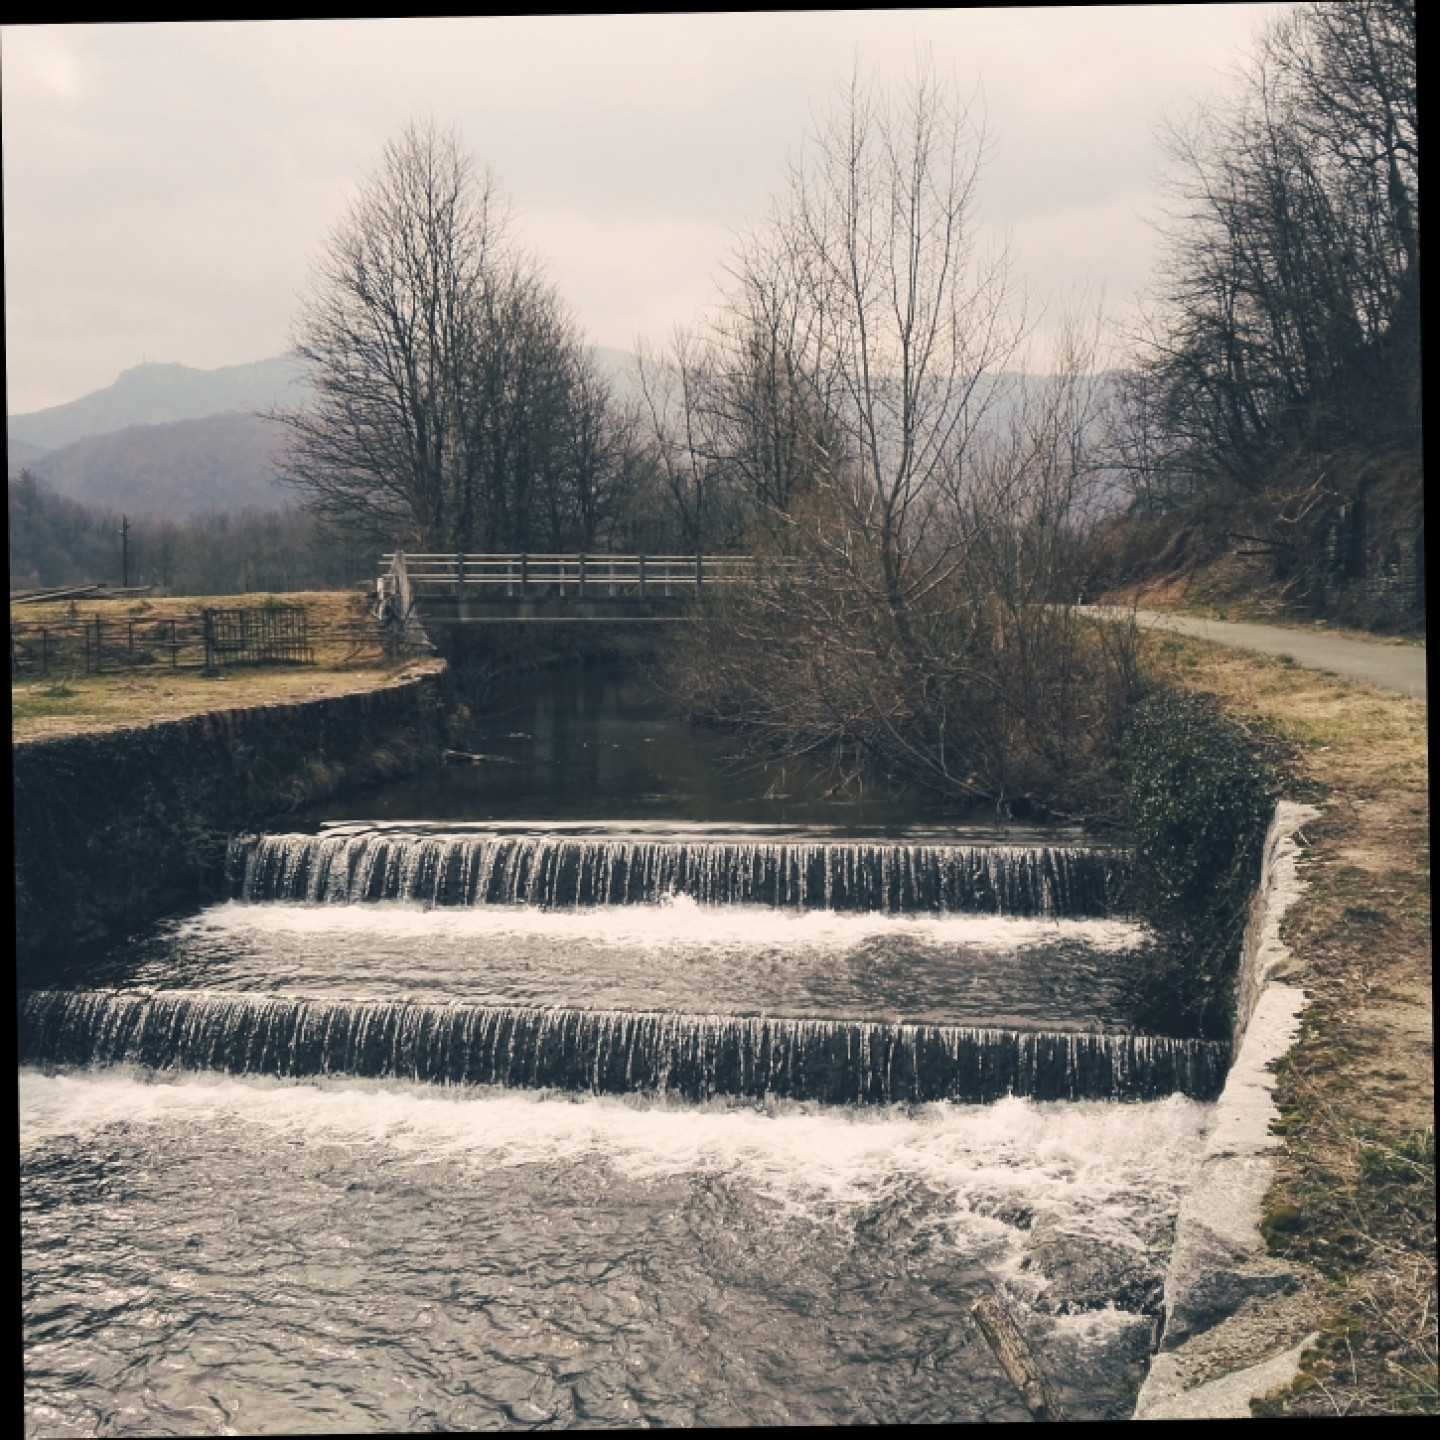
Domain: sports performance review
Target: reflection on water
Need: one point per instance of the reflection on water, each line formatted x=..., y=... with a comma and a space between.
x=578, y=742
x=680, y=956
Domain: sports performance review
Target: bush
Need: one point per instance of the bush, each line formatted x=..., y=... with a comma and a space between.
x=1199, y=797
x=1008, y=704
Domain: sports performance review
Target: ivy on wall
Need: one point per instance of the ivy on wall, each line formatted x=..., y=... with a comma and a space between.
x=1199, y=797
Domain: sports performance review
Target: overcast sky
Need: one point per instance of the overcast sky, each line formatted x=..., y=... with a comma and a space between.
x=167, y=186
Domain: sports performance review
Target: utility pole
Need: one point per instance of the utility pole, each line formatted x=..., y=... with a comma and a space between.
x=124, y=552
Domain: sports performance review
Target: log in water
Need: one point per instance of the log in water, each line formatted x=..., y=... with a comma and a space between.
x=615, y=1052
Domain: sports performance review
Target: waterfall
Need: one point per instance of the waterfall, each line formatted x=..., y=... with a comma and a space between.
x=606, y=1051
x=558, y=870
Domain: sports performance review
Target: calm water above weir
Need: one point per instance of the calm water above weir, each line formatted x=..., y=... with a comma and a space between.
x=602, y=1088
x=582, y=743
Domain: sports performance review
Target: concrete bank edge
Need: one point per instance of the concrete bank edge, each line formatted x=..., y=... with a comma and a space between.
x=1219, y=1258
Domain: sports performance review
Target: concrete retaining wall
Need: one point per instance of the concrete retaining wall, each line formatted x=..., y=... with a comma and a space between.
x=1219, y=1260
x=115, y=827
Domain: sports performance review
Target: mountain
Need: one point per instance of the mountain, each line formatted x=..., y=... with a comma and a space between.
x=21, y=454
x=218, y=462
x=156, y=394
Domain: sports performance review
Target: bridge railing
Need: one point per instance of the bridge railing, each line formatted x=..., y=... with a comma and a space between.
x=522, y=574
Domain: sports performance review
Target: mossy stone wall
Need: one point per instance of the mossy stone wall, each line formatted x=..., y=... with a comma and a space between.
x=115, y=827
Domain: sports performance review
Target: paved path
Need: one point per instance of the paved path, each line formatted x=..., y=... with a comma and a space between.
x=1391, y=667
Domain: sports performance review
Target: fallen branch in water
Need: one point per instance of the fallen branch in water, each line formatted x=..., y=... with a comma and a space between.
x=1003, y=1335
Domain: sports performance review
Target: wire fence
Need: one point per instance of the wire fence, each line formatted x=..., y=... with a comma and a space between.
x=209, y=639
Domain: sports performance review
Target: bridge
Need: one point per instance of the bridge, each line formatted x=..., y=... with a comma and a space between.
x=468, y=589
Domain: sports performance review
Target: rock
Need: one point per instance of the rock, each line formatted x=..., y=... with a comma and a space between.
x=1085, y=1272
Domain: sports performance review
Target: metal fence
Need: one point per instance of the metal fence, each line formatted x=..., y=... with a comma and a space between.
x=256, y=637
x=206, y=640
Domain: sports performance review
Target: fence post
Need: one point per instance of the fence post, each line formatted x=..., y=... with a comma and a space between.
x=642, y=577
x=581, y=586
x=699, y=574
x=525, y=574
x=208, y=617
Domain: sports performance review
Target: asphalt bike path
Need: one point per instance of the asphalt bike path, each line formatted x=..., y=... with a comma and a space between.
x=1391, y=667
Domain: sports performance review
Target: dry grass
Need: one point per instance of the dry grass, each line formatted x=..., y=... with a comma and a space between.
x=1204, y=597
x=1352, y=1208
x=346, y=659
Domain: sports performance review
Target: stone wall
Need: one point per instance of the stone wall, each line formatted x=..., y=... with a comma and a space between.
x=115, y=827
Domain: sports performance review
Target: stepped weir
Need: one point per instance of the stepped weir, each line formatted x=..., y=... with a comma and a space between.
x=556, y=870
x=693, y=1057
x=453, y=1113
x=835, y=1059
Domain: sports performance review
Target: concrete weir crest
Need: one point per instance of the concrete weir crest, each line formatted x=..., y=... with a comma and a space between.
x=1219, y=1259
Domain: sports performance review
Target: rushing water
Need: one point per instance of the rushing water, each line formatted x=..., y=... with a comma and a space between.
x=461, y=1119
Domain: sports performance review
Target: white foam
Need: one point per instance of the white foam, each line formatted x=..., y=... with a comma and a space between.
x=1093, y=1165
x=677, y=921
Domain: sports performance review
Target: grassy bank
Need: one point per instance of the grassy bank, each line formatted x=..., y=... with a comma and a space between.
x=348, y=652
x=1352, y=1208
x=1201, y=599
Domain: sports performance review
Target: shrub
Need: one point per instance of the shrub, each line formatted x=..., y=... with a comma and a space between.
x=1199, y=797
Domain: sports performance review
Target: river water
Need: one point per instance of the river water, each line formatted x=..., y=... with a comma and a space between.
x=601, y=1082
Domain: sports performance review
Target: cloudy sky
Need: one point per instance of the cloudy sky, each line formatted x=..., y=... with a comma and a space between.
x=166, y=186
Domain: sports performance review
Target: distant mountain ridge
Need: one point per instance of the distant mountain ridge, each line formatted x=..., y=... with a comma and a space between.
x=157, y=394
x=216, y=462
x=176, y=440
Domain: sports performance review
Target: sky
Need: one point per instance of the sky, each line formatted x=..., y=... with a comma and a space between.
x=168, y=186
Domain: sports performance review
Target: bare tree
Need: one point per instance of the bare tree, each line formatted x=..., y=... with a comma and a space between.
x=456, y=404
x=1278, y=386
x=674, y=385
x=905, y=324
x=389, y=328
x=936, y=501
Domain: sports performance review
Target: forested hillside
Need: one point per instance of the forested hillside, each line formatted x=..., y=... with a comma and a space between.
x=1272, y=419
x=59, y=541
x=221, y=462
